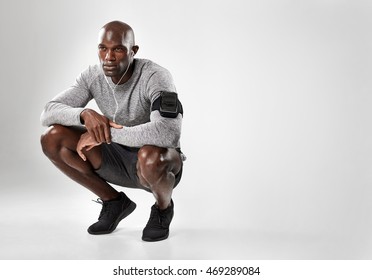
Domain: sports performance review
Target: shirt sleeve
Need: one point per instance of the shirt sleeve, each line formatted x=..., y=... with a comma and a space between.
x=66, y=107
x=160, y=131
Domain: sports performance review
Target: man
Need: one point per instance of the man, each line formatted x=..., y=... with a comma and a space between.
x=135, y=143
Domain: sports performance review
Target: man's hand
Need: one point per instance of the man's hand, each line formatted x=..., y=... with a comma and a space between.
x=86, y=141
x=98, y=126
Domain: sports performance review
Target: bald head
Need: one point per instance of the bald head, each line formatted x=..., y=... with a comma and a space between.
x=118, y=28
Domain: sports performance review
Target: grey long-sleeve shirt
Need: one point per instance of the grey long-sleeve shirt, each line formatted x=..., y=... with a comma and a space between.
x=141, y=125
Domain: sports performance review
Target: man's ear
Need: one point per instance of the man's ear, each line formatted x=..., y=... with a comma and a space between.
x=134, y=50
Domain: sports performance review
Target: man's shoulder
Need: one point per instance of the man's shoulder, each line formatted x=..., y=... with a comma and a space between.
x=155, y=78
x=92, y=71
x=149, y=66
x=91, y=74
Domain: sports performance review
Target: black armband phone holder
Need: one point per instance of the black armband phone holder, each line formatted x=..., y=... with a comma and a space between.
x=168, y=104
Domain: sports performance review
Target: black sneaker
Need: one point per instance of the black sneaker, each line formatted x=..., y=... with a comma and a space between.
x=112, y=213
x=157, y=227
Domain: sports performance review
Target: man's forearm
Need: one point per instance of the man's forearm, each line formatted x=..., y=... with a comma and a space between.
x=161, y=132
x=58, y=113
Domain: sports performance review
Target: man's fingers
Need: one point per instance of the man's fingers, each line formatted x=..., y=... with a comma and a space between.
x=102, y=135
x=94, y=134
x=88, y=148
x=86, y=142
x=115, y=125
x=81, y=153
x=107, y=134
x=98, y=126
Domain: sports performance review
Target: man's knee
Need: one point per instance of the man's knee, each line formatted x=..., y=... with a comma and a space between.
x=51, y=139
x=153, y=163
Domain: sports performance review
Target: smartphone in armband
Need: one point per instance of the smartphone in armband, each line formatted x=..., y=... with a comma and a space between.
x=169, y=104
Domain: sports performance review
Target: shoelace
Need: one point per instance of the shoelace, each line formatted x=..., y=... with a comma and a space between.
x=98, y=200
x=156, y=213
x=106, y=207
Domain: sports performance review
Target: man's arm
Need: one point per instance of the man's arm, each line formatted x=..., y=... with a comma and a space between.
x=56, y=112
x=161, y=131
x=97, y=125
x=65, y=108
x=68, y=109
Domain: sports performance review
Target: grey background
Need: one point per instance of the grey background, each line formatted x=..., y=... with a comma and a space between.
x=277, y=98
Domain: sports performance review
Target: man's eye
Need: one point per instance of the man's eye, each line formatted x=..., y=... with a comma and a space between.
x=102, y=48
x=119, y=49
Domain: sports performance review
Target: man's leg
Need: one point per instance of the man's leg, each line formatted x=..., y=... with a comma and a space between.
x=59, y=145
x=156, y=170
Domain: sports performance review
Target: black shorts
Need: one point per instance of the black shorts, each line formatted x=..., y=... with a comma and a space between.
x=119, y=166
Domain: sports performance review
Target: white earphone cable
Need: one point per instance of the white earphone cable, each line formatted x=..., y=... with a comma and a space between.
x=113, y=92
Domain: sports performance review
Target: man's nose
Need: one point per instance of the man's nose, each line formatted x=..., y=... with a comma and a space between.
x=110, y=55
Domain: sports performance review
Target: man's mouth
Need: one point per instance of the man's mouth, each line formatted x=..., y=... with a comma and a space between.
x=109, y=67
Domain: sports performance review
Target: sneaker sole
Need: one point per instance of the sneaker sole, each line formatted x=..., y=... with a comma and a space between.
x=123, y=215
x=147, y=239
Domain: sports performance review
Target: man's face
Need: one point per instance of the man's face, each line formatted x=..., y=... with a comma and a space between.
x=113, y=52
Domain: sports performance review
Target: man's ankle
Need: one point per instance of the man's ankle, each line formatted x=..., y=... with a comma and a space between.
x=112, y=197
